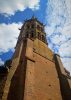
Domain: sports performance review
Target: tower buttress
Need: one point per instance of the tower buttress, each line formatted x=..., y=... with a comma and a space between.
x=33, y=73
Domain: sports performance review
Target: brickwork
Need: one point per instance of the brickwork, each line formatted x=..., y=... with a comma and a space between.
x=35, y=73
x=3, y=78
x=65, y=81
x=14, y=65
x=41, y=78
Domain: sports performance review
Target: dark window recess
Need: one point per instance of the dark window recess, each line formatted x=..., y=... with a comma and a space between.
x=42, y=29
x=32, y=26
x=43, y=38
x=27, y=35
x=38, y=27
x=28, y=26
x=32, y=35
x=39, y=36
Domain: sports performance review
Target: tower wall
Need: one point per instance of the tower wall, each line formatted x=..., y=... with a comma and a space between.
x=41, y=81
x=64, y=78
x=35, y=73
x=13, y=69
x=32, y=75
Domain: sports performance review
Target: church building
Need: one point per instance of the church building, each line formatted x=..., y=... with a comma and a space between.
x=35, y=72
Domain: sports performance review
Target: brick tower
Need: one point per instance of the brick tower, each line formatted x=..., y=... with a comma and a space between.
x=33, y=74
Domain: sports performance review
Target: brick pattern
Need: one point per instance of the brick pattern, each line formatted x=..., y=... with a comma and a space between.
x=41, y=75
x=3, y=78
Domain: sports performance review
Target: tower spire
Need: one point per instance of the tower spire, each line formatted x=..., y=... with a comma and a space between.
x=33, y=17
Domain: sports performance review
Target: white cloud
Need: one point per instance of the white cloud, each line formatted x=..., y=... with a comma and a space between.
x=58, y=29
x=9, y=7
x=8, y=36
x=67, y=63
x=1, y=62
x=65, y=49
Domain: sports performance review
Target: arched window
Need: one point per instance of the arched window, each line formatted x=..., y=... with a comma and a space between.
x=39, y=36
x=32, y=26
x=43, y=38
x=26, y=35
x=28, y=26
x=42, y=29
x=38, y=27
x=32, y=35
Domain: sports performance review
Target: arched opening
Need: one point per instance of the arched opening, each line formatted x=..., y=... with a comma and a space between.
x=32, y=26
x=43, y=38
x=32, y=35
x=27, y=35
x=39, y=36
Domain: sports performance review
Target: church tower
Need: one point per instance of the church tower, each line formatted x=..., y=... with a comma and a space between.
x=33, y=74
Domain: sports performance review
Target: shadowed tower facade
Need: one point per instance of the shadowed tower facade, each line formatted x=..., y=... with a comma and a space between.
x=33, y=74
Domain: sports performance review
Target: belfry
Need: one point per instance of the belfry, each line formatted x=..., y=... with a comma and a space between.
x=36, y=73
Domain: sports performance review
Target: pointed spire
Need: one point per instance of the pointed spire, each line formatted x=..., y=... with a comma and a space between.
x=33, y=17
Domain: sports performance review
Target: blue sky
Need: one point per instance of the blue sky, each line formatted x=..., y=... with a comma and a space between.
x=55, y=14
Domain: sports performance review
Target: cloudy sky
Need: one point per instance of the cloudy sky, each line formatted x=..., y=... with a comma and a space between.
x=55, y=14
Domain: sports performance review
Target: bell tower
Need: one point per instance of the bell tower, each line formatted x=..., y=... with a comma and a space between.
x=33, y=29
x=33, y=74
